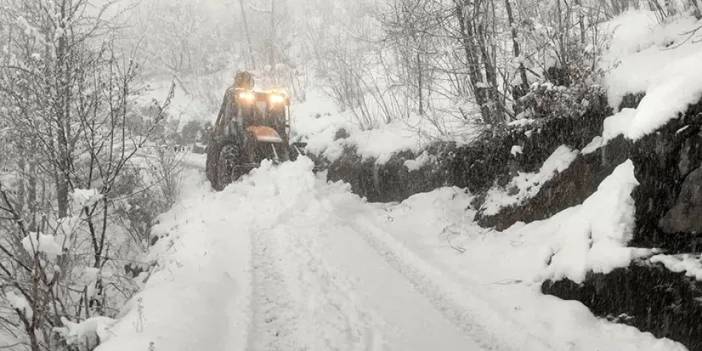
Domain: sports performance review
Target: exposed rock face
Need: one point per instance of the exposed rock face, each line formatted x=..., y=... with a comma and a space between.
x=389, y=182
x=631, y=100
x=568, y=188
x=668, y=199
x=575, y=184
x=668, y=166
x=477, y=166
x=686, y=214
x=663, y=162
x=644, y=295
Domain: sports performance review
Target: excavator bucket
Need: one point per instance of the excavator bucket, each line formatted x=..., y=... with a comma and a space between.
x=265, y=134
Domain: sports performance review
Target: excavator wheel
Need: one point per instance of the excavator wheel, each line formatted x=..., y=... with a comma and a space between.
x=211, y=163
x=226, y=169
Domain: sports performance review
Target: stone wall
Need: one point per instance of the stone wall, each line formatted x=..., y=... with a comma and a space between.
x=668, y=162
x=644, y=295
x=668, y=166
x=476, y=167
x=566, y=189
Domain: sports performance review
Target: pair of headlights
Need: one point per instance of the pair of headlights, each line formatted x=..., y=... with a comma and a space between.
x=249, y=97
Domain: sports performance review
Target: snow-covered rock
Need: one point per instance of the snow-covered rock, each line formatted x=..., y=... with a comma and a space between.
x=419, y=162
x=661, y=61
x=688, y=263
x=595, y=234
x=526, y=185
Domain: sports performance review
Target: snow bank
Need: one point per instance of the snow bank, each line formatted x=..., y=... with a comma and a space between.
x=594, y=235
x=656, y=59
x=382, y=143
x=676, y=86
x=196, y=298
x=526, y=185
x=504, y=271
x=317, y=121
x=617, y=124
x=320, y=133
x=690, y=264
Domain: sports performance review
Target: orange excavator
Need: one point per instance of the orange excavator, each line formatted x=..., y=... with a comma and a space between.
x=260, y=132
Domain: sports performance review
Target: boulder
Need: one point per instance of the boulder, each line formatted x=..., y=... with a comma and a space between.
x=644, y=295
x=686, y=214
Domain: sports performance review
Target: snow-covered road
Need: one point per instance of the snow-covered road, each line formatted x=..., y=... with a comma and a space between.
x=278, y=262
x=284, y=260
x=318, y=285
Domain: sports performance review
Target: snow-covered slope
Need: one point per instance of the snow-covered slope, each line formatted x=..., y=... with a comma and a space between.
x=197, y=299
x=661, y=60
x=317, y=120
x=284, y=260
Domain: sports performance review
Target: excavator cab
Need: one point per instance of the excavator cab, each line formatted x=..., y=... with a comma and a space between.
x=260, y=132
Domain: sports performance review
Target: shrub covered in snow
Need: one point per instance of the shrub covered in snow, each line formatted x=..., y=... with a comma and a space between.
x=547, y=100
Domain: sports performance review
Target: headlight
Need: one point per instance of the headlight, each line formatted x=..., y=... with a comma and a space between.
x=247, y=97
x=276, y=99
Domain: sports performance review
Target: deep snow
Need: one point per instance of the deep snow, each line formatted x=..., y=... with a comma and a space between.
x=284, y=260
x=661, y=60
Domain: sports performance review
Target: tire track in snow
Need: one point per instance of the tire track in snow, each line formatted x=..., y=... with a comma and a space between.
x=337, y=293
x=273, y=320
x=444, y=296
x=299, y=302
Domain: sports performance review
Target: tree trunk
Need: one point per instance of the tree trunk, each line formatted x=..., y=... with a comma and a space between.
x=61, y=194
x=562, y=33
x=493, y=98
x=475, y=75
x=32, y=195
x=63, y=107
x=516, y=48
x=419, y=84
x=21, y=187
x=581, y=22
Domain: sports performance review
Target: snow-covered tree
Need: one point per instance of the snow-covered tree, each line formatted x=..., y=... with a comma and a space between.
x=67, y=93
